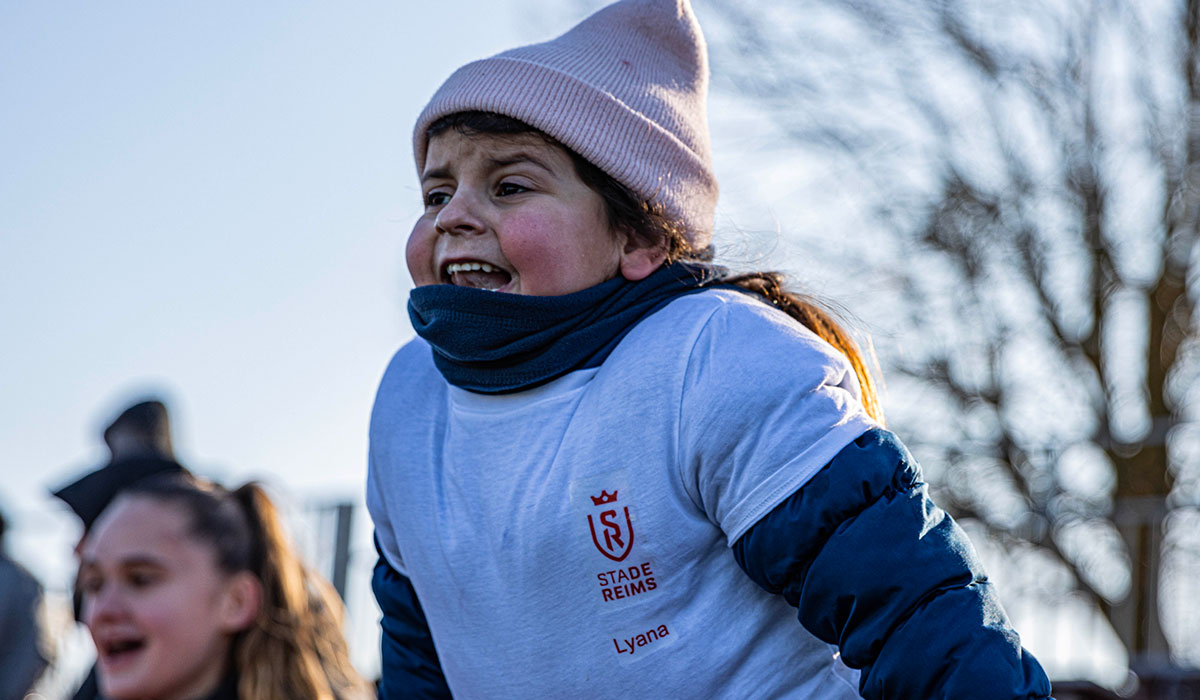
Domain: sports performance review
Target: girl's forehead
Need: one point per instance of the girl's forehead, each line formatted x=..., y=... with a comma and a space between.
x=138, y=524
x=453, y=147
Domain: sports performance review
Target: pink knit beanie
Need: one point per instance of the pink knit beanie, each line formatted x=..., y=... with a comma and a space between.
x=625, y=88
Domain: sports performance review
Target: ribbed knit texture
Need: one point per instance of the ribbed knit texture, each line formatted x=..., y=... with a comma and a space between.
x=626, y=88
x=496, y=343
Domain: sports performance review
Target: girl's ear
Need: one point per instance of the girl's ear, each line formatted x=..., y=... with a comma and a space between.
x=243, y=598
x=638, y=261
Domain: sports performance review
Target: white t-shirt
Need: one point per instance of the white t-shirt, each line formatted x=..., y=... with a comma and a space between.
x=572, y=540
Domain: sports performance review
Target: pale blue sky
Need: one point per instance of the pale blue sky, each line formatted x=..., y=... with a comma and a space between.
x=209, y=200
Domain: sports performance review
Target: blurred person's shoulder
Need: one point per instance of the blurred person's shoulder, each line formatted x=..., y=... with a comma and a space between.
x=16, y=581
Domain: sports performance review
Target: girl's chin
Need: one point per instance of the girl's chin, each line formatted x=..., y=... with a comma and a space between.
x=121, y=675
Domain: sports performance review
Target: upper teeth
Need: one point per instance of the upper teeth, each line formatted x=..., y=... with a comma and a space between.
x=469, y=267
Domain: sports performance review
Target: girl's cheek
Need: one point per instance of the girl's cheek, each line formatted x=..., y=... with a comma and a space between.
x=532, y=243
x=419, y=252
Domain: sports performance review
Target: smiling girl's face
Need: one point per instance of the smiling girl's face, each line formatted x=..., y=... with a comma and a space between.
x=160, y=610
x=509, y=213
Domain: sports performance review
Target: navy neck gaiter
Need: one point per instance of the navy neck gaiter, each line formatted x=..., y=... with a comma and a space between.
x=496, y=343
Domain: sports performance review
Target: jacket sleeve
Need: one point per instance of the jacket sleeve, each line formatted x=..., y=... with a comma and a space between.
x=409, y=668
x=876, y=568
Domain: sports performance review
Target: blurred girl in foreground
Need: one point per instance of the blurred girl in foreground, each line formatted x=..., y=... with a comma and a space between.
x=193, y=591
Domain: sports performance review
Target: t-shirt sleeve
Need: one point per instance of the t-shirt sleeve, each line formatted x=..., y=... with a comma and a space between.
x=765, y=404
x=377, y=507
x=384, y=482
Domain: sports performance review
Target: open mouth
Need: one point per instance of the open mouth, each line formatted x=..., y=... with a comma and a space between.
x=479, y=275
x=117, y=652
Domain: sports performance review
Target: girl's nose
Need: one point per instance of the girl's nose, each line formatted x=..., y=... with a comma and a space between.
x=103, y=604
x=459, y=215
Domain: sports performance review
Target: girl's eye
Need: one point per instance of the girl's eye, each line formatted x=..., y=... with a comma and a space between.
x=507, y=188
x=142, y=579
x=436, y=199
x=90, y=584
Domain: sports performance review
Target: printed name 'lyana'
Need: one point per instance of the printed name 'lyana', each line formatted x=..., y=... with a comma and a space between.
x=631, y=645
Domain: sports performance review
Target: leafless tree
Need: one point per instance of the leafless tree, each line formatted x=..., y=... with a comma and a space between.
x=1035, y=167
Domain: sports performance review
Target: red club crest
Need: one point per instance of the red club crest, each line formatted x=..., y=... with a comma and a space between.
x=614, y=538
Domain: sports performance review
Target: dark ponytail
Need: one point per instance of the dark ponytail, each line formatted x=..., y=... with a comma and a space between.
x=296, y=648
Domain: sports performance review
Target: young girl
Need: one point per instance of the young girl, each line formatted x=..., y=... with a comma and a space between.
x=192, y=591
x=607, y=469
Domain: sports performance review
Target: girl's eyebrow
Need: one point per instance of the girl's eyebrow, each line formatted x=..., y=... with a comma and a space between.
x=436, y=174
x=518, y=157
x=128, y=562
x=493, y=163
x=142, y=560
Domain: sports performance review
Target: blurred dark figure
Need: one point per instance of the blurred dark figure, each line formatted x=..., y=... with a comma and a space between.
x=139, y=445
x=142, y=429
x=22, y=659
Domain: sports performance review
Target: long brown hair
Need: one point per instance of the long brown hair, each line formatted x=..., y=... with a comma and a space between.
x=295, y=648
x=650, y=227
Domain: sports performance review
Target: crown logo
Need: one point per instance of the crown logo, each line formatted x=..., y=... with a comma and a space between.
x=604, y=497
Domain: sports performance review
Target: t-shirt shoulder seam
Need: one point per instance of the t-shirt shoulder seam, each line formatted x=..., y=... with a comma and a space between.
x=772, y=491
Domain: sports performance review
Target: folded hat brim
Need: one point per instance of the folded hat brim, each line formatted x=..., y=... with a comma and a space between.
x=89, y=495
